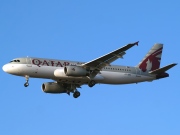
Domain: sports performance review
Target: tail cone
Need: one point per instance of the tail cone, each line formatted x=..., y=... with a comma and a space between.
x=162, y=75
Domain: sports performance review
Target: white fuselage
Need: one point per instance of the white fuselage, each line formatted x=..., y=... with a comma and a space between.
x=45, y=68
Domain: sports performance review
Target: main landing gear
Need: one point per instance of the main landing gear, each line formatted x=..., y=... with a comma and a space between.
x=76, y=94
x=71, y=88
x=27, y=81
x=91, y=83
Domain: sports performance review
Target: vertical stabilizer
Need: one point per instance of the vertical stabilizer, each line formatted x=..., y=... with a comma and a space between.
x=152, y=59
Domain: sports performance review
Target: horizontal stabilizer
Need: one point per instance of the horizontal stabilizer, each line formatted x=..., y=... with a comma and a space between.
x=163, y=69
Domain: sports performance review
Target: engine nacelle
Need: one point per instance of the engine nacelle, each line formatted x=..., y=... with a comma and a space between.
x=75, y=71
x=59, y=73
x=52, y=87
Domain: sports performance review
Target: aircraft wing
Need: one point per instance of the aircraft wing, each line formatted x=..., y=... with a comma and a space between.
x=105, y=60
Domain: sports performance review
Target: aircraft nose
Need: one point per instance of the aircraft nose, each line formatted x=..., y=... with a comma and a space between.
x=5, y=68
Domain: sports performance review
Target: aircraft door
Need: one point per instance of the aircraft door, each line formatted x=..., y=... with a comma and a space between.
x=28, y=61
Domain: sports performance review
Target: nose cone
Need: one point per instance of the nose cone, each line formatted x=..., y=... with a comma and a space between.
x=11, y=69
x=5, y=68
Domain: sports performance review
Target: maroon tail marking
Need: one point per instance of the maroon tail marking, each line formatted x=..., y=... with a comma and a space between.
x=153, y=59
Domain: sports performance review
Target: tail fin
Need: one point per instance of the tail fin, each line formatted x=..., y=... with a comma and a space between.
x=152, y=59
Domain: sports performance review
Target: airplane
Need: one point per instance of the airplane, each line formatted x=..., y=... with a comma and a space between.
x=68, y=75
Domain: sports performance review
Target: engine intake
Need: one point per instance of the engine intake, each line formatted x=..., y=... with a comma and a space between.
x=75, y=71
x=52, y=87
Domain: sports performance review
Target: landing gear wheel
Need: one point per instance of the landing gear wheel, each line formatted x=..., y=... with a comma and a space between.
x=76, y=94
x=26, y=84
x=27, y=80
x=91, y=83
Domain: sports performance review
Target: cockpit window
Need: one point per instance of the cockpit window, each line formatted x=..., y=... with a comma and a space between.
x=14, y=61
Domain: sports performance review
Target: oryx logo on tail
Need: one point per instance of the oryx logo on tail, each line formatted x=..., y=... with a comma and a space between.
x=152, y=60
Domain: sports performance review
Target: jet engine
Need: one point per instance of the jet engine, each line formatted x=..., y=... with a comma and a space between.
x=52, y=87
x=75, y=71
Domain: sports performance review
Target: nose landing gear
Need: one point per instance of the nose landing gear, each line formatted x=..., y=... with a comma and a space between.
x=27, y=81
x=26, y=84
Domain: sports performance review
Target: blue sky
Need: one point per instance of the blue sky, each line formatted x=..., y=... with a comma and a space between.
x=84, y=30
